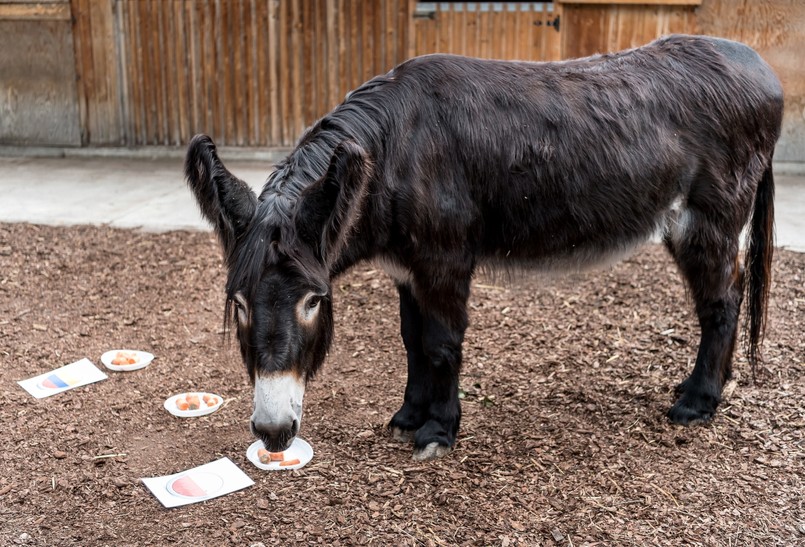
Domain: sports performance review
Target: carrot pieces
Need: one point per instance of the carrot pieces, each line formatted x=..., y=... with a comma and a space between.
x=123, y=358
x=193, y=401
x=267, y=457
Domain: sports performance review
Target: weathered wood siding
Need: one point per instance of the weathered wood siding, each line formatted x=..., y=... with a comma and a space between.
x=38, y=99
x=592, y=26
x=526, y=31
x=248, y=72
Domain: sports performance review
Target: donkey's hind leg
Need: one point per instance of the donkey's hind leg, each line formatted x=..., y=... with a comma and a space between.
x=708, y=259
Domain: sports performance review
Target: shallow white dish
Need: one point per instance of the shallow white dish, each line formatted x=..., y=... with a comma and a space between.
x=143, y=359
x=203, y=410
x=299, y=450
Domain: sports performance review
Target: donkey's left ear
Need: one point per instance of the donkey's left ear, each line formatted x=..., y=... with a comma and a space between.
x=330, y=207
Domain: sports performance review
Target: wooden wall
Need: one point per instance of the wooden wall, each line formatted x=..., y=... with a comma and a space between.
x=38, y=96
x=593, y=26
x=257, y=72
x=248, y=72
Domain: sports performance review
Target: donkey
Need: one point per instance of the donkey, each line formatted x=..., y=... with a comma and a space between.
x=446, y=163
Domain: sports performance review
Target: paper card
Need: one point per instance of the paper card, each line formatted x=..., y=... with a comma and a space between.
x=76, y=374
x=201, y=483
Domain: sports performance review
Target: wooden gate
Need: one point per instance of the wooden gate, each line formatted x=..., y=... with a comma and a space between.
x=257, y=72
x=526, y=31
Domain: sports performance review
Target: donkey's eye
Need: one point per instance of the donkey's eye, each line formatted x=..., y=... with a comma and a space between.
x=313, y=302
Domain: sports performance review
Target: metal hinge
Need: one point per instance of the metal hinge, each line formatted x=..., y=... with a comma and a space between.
x=554, y=23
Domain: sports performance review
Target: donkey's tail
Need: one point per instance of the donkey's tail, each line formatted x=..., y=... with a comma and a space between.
x=759, y=252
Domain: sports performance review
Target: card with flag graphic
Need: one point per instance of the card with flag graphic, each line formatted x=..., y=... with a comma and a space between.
x=207, y=481
x=76, y=374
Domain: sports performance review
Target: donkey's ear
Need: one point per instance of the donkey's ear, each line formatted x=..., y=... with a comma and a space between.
x=329, y=208
x=225, y=201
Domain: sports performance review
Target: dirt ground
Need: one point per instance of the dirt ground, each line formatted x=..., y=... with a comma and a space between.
x=563, y=441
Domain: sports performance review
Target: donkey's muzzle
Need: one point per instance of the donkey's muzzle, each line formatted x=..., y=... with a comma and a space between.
x=277, y=409
x=276, y=436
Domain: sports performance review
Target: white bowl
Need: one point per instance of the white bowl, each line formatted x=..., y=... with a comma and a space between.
x=203, y=410
x=143, y=360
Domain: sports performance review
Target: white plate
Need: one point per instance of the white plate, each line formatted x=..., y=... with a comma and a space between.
x=143, y=360
x=170, y=405
x=299, y=450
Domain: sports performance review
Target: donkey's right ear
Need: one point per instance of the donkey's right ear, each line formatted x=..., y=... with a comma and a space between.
x=225, y=201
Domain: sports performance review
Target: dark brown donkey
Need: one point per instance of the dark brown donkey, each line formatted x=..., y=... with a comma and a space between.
x=446, y=163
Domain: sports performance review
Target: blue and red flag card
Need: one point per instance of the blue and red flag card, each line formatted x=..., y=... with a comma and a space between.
x=76, y=374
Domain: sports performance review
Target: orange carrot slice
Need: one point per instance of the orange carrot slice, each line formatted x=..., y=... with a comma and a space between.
x=289, y=462
x=193, y=401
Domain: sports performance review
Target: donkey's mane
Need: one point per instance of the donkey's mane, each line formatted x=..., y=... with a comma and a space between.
x=271, y=235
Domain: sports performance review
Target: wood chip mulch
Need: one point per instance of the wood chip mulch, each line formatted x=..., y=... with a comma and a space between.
x=564, y=439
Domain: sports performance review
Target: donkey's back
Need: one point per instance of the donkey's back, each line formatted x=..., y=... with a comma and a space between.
x=572, y=160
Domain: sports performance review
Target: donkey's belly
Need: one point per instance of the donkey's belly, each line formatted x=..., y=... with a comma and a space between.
x=571, y=246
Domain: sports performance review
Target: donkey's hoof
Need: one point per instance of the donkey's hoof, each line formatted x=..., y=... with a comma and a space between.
x=693, y=410
x=402, y=435
x=432, y=451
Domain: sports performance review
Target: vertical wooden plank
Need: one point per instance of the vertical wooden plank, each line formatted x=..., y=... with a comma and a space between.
x=195, y=67
x=483, y=30
x=471, y=30
x=296, y=66
x=285, y=71
x=160, y=73
x=333, y=68
x=273, y=72
x=148, y=96
x=309, y=88
x=123, y=54
x=83, y=62
x=208, y=40
x=262, y=35
x=240, y=94
x=343, y=44
x=134, y=71
x=356, y=41
x=169, y=73
x=390, y=36
x=181, y=65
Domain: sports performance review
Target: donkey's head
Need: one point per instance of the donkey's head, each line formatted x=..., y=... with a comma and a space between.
x=280, y=250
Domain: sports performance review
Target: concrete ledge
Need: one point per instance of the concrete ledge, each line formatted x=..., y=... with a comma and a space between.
x=236, y=153
x=789, y=168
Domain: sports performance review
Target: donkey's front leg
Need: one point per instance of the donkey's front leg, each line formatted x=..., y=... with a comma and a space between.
x=414, y=411
x=431, y=412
